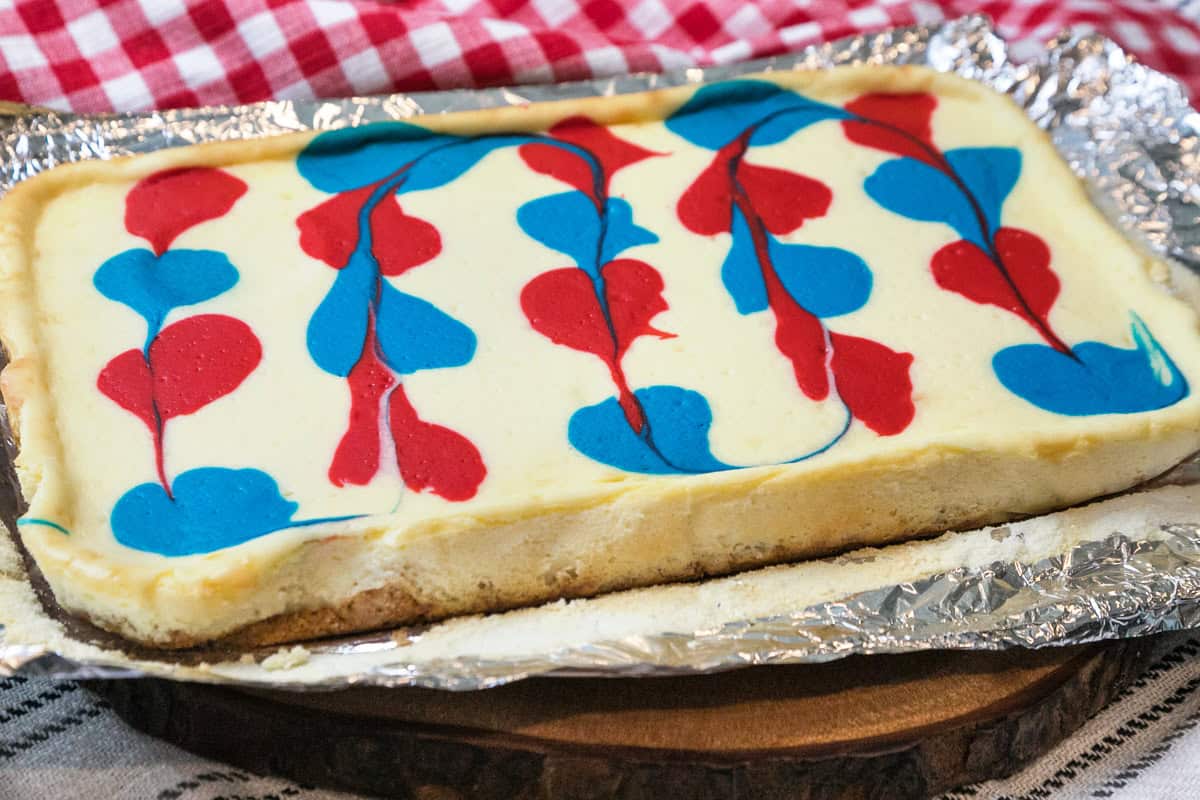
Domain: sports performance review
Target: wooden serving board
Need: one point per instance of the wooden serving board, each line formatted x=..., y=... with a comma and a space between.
x=865, y=727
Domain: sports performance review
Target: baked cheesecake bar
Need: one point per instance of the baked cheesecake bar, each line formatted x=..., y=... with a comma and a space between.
x=291, y=387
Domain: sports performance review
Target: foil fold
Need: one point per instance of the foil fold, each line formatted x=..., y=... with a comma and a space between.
x=1128, y=131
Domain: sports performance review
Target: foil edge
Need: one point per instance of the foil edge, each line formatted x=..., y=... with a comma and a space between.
x=1125, y=129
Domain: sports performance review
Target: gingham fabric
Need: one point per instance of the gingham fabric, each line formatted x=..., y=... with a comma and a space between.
x=100, y=55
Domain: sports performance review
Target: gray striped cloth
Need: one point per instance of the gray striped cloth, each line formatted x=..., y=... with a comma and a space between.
x=59, y=742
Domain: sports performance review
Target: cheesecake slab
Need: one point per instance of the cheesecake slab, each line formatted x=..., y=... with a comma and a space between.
x=285, y=388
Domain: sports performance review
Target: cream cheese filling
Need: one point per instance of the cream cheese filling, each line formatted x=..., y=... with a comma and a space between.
x=515, y=399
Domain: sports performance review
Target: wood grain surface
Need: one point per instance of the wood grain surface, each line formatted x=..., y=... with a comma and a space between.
x=864, y=727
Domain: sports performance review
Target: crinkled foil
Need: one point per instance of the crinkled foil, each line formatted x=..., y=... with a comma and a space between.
x=1127, y=130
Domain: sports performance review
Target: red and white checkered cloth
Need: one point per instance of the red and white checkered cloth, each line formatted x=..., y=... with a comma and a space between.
x=97, y=55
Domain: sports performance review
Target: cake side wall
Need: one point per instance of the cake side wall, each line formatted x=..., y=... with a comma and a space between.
x=343, y=585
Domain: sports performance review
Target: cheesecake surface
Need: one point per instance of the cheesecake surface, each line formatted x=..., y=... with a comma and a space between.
x=298, y=386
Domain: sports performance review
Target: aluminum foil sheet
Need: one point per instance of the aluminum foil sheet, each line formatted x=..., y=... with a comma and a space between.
x=1129, y=566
